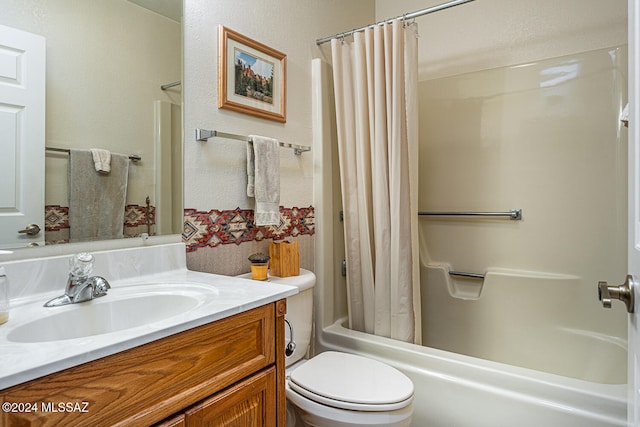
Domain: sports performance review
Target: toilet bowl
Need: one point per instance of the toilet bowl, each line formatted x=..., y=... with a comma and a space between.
x=336, y=389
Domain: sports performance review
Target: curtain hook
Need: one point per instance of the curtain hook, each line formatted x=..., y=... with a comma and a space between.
x=415, y=28
x=405, y=22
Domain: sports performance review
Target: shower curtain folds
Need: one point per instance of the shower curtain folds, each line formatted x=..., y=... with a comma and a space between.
x=375, y=81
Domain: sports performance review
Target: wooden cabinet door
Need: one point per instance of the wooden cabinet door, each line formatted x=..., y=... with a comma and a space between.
x=250, y=403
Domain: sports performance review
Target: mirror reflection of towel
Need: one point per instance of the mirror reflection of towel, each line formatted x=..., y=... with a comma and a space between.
x=101, y=160
x=263, y=175
x=96, y=200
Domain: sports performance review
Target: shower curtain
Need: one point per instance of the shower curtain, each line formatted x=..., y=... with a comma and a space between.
x=375, y=86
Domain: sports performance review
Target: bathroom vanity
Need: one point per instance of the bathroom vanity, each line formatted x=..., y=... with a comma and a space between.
x=218, y=360
x=227, y=372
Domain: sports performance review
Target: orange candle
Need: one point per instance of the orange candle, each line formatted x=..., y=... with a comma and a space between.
x=259, y=266
x=259, y=271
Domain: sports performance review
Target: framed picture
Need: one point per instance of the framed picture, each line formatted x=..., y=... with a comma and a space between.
x=252, y=77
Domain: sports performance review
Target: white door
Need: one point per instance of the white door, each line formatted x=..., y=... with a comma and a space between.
x=22, y=136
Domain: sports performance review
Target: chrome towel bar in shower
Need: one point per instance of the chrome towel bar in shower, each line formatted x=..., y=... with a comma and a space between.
x=515, y=214
x=469, y=275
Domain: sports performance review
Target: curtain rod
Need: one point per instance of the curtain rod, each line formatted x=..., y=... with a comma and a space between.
x=405, y=16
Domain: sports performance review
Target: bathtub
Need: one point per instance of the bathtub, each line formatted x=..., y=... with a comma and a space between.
x=500, y=361
x=459, y=390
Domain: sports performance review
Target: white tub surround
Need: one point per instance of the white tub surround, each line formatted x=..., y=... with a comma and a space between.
x=489, y=322
x=154, y=272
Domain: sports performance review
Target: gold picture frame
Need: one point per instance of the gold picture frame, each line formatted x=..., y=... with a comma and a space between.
x=252, y=77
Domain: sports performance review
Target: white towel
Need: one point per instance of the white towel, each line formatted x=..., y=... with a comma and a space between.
x=101, y=160
x=263, y=178
x=624, y=116
x=251, y=171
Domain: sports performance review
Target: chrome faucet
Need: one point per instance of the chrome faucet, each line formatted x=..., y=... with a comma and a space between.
x=80, y=287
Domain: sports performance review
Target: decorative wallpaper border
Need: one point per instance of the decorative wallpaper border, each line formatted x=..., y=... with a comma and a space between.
x=56, y=217
x=136, y=215
x=201, y=229
x=221, y=227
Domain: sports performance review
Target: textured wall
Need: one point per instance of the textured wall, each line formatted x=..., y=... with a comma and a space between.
x=215, y=171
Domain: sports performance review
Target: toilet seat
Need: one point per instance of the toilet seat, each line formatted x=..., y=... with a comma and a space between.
x=348, y=381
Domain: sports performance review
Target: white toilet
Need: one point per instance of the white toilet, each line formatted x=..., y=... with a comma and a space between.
x=336, y=389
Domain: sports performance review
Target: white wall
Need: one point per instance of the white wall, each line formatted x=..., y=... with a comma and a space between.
x=492, y=33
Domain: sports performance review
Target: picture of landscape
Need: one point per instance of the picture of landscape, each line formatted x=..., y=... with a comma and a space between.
x=253, y=77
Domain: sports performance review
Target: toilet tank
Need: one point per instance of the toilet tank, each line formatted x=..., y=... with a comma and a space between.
x=299, y=312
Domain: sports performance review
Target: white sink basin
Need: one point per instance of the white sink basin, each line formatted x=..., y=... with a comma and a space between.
x=102, y=316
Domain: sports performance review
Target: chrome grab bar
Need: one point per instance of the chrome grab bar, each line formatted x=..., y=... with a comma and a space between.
x=470, y=275
x=514, y=214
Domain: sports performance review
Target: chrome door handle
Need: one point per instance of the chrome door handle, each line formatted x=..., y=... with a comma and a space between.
x=31, y=230
x=623, y=293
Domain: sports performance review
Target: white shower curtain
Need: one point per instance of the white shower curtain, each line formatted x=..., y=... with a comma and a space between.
x=375, y=85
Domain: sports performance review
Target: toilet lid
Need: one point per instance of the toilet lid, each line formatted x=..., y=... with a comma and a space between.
x=353, y=382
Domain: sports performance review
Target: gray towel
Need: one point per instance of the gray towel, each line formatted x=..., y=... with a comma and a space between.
x=96, y=200
x=263, y=178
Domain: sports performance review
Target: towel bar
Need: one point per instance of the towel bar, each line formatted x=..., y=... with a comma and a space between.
x=132, y=157
x=204, y=135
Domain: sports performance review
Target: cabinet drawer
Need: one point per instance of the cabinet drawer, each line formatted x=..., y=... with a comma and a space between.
x=177, y=421
x=148, y=383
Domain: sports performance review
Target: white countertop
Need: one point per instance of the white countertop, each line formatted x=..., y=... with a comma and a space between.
x=218, y=297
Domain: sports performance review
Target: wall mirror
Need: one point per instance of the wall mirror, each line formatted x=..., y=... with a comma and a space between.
x=106, y=65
